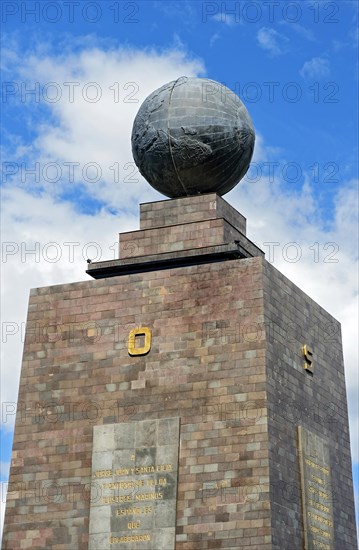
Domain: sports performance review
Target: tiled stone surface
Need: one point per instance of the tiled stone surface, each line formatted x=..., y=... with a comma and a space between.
x=173, y=238
x=316, y=402
x=225, y=358
x=183, y=224
x=199, y=368
x=189, y=209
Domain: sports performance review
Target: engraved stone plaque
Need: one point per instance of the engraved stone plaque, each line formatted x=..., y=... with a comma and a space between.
x=134, y=485
x=317, y=494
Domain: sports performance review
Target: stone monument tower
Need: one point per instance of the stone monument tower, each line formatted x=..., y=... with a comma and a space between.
x=189, y=396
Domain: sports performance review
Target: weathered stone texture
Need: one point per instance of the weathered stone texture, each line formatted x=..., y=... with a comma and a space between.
x=198, y=369
x=189, y=209
x=225, y=358
x=183, y=224
x=295, y=397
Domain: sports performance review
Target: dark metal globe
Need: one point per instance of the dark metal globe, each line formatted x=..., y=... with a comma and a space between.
x=192, y=135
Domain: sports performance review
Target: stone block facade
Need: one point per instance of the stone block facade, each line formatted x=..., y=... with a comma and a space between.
x=225, y=358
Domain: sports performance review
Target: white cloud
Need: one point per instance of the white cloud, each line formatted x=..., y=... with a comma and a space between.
x=272, y=41
x=85, y=131
x=214, y=38
x=80, y=132
x=225, y=18
x=4, y=473
x=4, y=469
x=317, y=67
x=33, y=217
x=300, y=30
x=99, y=132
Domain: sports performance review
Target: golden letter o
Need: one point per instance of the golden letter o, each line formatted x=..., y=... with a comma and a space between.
x=143, y=331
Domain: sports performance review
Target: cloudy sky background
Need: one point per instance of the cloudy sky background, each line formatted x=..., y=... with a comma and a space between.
x=73, y=80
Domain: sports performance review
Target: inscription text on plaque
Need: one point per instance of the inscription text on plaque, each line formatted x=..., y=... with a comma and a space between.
x=317, y=495
x=134, y=485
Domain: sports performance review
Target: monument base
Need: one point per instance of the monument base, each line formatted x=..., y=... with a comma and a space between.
x=186, y=356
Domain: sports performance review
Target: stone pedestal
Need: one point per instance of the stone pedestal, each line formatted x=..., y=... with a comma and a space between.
x=189, y=328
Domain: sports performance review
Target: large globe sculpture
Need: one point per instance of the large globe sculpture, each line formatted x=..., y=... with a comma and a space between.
x=192, y=135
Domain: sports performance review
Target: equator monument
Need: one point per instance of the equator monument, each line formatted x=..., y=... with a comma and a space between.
x=197, y=399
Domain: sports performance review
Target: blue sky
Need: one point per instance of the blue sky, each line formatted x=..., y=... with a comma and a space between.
x=68, y=180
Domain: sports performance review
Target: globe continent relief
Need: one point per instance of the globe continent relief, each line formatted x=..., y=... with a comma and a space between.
x=191, y=136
